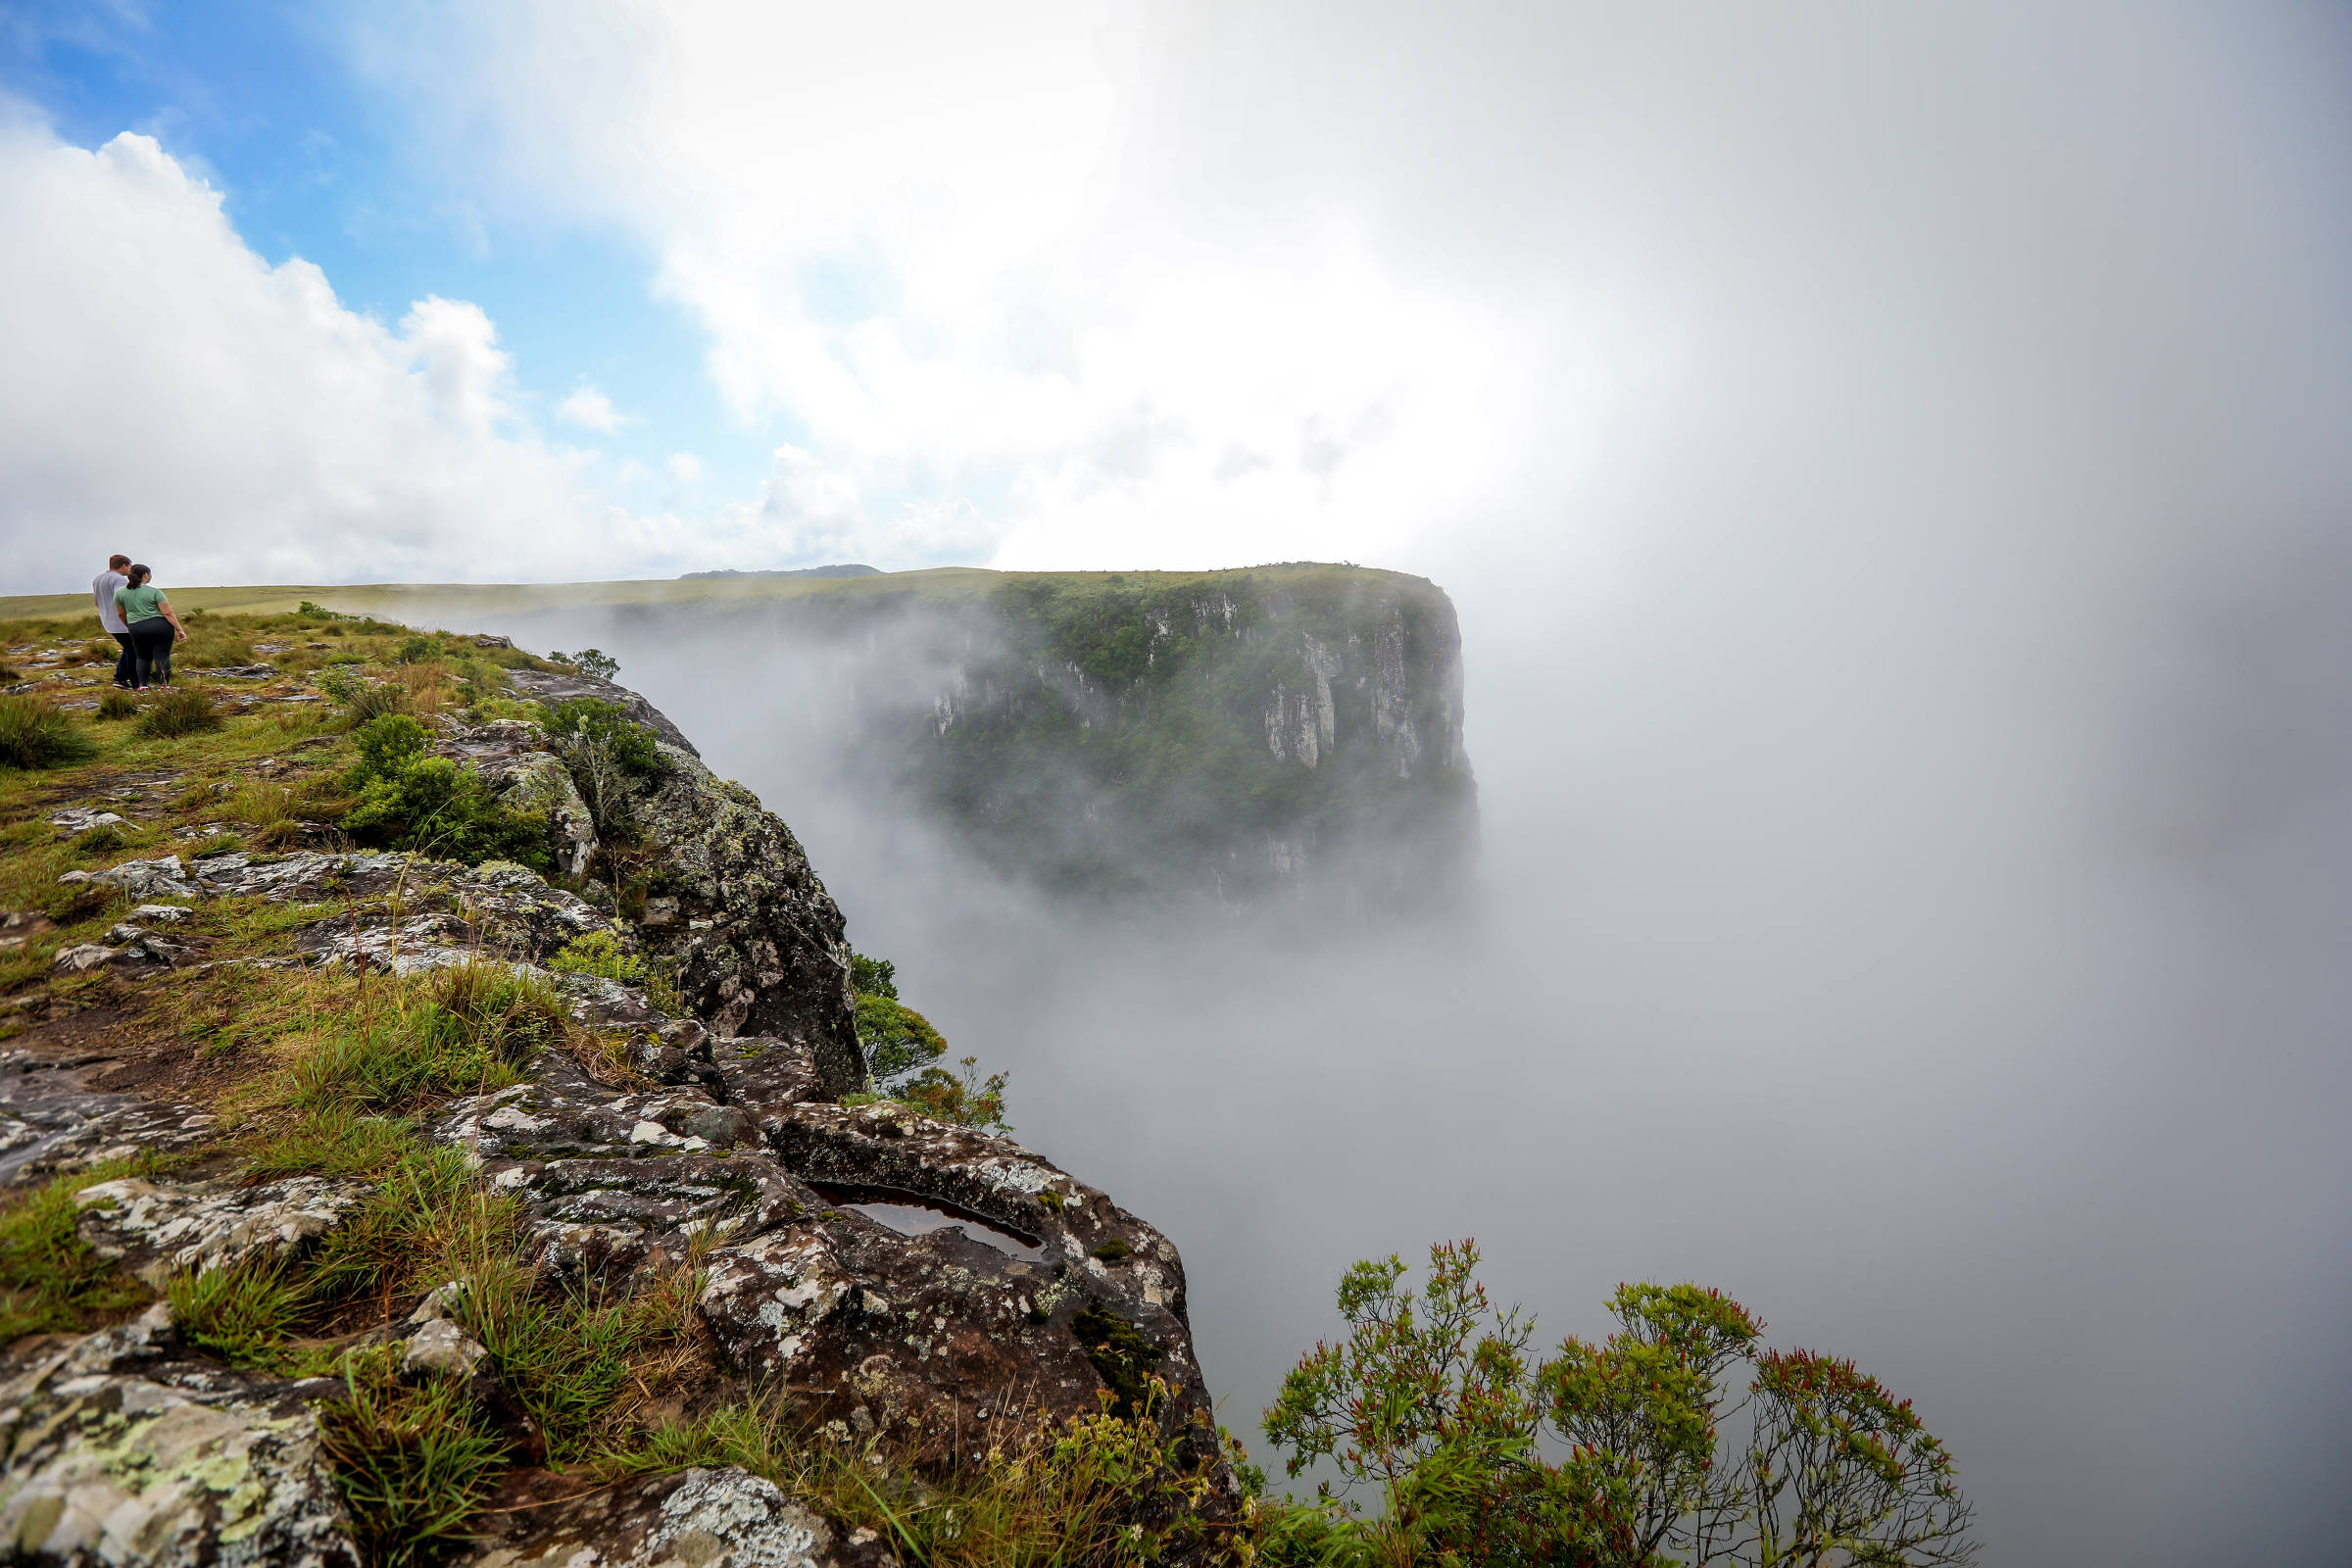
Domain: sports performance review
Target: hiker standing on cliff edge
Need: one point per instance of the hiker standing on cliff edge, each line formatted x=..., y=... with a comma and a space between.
x=153, y=627
x=102, y=589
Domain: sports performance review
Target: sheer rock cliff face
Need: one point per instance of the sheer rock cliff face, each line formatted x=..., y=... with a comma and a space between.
x=1277, y=733
x=1036, y=1294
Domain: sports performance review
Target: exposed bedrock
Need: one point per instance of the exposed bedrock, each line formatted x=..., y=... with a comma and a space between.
x=901, y=1277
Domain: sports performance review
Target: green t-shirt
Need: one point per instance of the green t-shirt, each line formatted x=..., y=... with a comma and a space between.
x=139, y=604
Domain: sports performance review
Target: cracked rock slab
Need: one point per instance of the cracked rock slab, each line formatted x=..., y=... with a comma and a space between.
x=713, y=1518
x=155, y=1231
x=118, y=1454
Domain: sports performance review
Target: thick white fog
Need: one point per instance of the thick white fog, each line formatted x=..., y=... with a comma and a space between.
x=1908, y=679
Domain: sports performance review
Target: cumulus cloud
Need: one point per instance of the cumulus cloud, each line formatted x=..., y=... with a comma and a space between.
x=172, y=395
x=685, y=468
x=590, y=409
x=979, y=295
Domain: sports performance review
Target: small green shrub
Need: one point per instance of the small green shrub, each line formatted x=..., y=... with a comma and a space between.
x=364, y=700
x=895, y=1039
x=942, y=1095
x=873, y=977
x=605, y=752
x=1640, y=1448
x=387, y=744
x=596, y=663
x=438, y=807
x=589, y=723
x=600, y=953
x=118, y=704
x=179, y=712
x=410, y=801
x=35, y=735
x=416, y=650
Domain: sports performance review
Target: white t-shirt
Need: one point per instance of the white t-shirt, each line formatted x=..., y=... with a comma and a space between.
x=102, y=588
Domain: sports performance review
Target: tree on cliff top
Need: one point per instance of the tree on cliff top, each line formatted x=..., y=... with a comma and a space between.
x=1615, y=1454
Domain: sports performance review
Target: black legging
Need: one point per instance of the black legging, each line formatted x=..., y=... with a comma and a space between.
x=126, y=664
x=151, y=647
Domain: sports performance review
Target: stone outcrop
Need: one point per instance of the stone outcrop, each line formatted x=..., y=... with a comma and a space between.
x=123, y=1449
x=761, y=947
x=906, y=1278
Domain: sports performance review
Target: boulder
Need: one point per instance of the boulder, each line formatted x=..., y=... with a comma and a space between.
x=759, y=946
x=82, y=818
x=120, y=1451
x=551, y=688
x=441, y=1349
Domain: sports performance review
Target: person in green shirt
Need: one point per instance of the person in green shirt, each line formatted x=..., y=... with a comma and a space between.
x=153, y=627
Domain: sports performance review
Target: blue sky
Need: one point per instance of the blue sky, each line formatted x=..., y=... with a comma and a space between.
x=265, y=101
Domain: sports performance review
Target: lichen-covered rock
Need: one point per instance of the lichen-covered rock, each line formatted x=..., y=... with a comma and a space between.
x=548, y=687
x=723, y=1518
x=439, y=1348
x=154, y=1230
x=52, y=1123
x=759, y=945
x=1024, y=1278
x=82, y=818
x=511, y=754
x=120, y=1452
x=160, y=877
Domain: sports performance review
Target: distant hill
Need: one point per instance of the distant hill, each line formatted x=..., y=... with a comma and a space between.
x=796, y=571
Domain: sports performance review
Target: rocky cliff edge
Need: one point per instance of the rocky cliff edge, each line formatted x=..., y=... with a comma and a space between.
x=906, y=1287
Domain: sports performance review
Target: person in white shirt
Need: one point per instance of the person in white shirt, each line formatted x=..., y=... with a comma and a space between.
x=102, y=589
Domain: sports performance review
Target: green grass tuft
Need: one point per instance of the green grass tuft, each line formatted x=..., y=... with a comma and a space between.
x=239, y=1314
x=33, y=734
x=414, y=1462
x=179, y=712
x=50, y=1281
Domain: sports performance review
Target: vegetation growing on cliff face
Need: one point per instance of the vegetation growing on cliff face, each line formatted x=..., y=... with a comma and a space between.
x=1222, y=732
x=903, y=1052
x=410, y=801
x=1654, y=1457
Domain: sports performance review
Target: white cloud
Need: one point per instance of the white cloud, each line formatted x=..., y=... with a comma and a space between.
x=172, y=395
x=984, y=284
x=591, y=409
x=685, y=468
x=167, y=393
x=808, y=511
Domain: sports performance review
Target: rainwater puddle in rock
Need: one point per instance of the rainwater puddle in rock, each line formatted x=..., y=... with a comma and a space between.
x=921, y=1219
